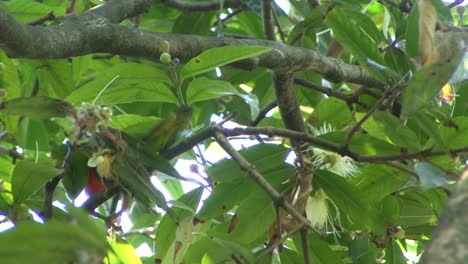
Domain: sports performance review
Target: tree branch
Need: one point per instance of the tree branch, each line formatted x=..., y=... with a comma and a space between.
x=267, y=19
x=448, y=242
x=202, y=6
x=259, y=179
x=208, y=132
x=96, y=31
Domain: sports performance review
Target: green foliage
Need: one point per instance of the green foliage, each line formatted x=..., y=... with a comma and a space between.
x=146, y=124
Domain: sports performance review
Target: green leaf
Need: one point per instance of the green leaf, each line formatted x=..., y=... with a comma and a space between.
x=56, y=77
x=51, y=243
x=428, y=81
x=133, y=83
x=385, y=126
x=228, y=194
x=393, y=253
x=38, y=107
x=363, y=144
x=347, y=198
x=254, y=217
x=358, y=34
x=390, y=210
x=76, y=174
x=173, y=186
x=28, y=177
x=454, y=134
x=362, y=251
x=217, y=57
x=33, y=135
x=80, y=66
x=122, y=252
x=431, y=176
x=9, y=80
x=412, y=32
x=429, y=127
x=319, y=251
x=265, y=157
x=378, y=181
x=135, y=125
x=331, y=112
x=166, y=232
x=202, y=89
x=27, y=11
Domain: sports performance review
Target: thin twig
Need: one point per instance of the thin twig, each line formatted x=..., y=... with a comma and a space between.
x=455, y=3
x=387, y=97
x=263, y=112
x=49, y=17
x=71, y=7
x=279, y=241
x=259, y=179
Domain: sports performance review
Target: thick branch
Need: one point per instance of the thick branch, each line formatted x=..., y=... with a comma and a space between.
x=267, y=16
x=202, y=6
x=93, y=34
x=287, y=101
x=449, y=240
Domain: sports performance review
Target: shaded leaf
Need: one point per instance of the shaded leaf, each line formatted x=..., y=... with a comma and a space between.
x=28, y=177
x=38, y=107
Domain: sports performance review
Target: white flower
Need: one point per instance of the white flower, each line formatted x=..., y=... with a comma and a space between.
x=318, y=211
x=334, y=162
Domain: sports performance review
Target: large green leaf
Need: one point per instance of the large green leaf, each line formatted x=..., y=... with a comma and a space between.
x=228, y=194
x=331, y=112
x=76, y=173
x=202, y=89
x=28, y=177
x=55, y=78
x=347, y=199
x=362, y=251
x=374, y=182
x=27, y=11
x=10, y=82
x=166, y=232
x=428, y=81
x=38, y=107
x=393, y=253
x=455, y=133
x=51, y=243
x=319, y=251
x=126, y=83
x=385, y=126
x=217, y=57
x=358, y=34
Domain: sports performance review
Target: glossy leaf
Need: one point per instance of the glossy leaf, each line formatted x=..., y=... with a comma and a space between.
x=217, y=57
